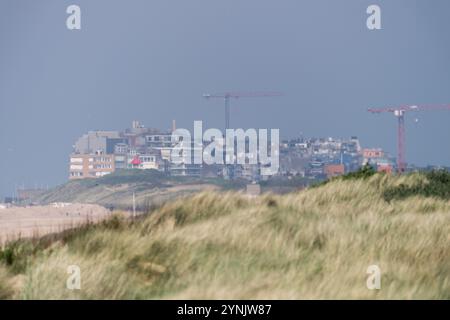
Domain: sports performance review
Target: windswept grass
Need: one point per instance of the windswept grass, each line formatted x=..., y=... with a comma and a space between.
x=317, y=243
x=435, y=184
x=6, y=290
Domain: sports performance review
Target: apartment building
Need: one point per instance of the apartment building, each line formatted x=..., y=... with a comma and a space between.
x=333, y=170
x=94, y=165
x=144, y=162
x=373, y=153
x=97, y=140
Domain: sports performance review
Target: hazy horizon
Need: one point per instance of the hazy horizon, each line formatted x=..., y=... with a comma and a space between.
x=152, y=61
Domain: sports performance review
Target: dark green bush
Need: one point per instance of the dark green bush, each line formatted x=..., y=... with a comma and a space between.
x=437, y=185
x=364, y=172
x=15, y=255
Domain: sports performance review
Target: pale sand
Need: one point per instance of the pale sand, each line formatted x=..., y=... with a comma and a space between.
x=26, y=222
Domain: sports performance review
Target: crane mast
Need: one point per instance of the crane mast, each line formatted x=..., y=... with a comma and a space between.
x=227, y=96
x=400, y=112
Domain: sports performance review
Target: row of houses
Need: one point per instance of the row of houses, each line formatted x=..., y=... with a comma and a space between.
x=320, y=158
x=99, y=153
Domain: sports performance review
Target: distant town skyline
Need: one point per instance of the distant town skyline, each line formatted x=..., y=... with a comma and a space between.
x=153, y=60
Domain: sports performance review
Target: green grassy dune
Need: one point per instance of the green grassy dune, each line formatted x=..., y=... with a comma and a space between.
x=151, y=188
x=316, y=243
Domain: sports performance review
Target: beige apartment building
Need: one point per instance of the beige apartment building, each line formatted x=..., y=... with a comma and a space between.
x=95, y=165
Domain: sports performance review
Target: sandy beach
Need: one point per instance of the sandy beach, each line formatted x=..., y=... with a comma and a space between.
x=26, y=222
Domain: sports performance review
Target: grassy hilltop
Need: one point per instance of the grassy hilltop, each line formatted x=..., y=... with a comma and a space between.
x=316, y=243
x=151, y=188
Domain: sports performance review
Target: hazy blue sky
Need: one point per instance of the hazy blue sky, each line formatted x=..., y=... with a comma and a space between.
x=152, y=60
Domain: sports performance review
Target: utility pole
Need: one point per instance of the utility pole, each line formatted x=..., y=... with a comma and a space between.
x=134, y=205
